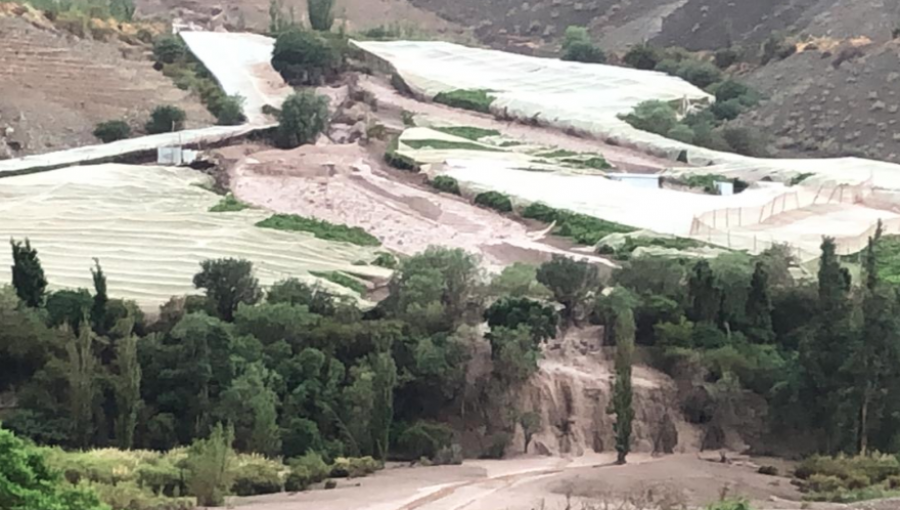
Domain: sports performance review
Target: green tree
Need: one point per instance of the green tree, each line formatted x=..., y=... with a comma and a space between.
x=385, y=380
x=653, y=116
x=25, y=341
x=228, y=283
x=27, y=274
x=304, y=57
x=210, y=467
x=642, y=56
x=703, y=294
x=621, y=403
x=229, y=111
x=169, y=49
x=70, y=308
x=570, y=281
x=514, y=354
x=518, y=280
x=303, y=116
x=27, y=483
x=112, y=131
x=99, y=319
x=165, y=119
x=251, y=406
x=511, y=312
x=577, y=47
x=759, y=306
x=127, y=386
x=82, y=369
x=321, y=15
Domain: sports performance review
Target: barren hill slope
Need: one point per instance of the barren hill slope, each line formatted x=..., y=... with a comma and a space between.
x=55, y=87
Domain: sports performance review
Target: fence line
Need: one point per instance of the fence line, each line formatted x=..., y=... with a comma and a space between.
x=715, y=226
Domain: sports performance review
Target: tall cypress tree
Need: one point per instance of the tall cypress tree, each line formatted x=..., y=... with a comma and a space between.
x=621, y=403
x=759, y=306
x=705, y=298
x=127, y=391
x=101, y=298
x=27, y=274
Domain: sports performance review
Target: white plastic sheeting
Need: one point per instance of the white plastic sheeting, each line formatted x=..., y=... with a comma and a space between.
x=241, y=63
x=589, y=97
x=150, y=228
x=95, y=153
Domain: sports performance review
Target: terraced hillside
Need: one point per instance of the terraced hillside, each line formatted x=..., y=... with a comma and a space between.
x=54, y=88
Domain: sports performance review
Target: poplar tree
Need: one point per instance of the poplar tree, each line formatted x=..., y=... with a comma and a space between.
x=622, y=400
x=27, y=274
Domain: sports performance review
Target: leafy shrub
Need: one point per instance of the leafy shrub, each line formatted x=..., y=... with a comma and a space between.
x=731, y=89
x=727, y=110
x=320, y=229
x=799, y=178
x=385, y=260
x=304, y=115
x=316, y=468
x=297, y=480
x=424, y=439
x=494, y=200
x=653, y=116
x=446, y=184
x=585, y=52
x=700, y=74
x=169, y=49
x=112, y=130
x=330, y=484
x=355, y=467
x=768, y=470
x=210, y=467
x=682, y=133
x=257, y=477
x=478, y=100
x=642, y=56
x=669, y=66
x=165, y=119
x=229, y=110
x=725, y=58
x=823, y=483
x=229, y=204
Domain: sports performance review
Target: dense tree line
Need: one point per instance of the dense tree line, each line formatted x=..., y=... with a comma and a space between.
x=292, y=369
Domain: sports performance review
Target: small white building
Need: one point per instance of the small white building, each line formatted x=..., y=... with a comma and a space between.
x=646, y=181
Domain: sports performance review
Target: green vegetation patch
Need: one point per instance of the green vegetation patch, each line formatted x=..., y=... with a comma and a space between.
x=582, y=228
x=446, y=184
x=229, y=204
x=594, y=162
x=448, y=145
x=797, y=179
x=385, y=260
x=469, y=132
x=397, y=160
x=321, y=229
x=625, y=251
x=342, y=279
x=478, y=100
x=558, y=153
x=846, y=479
x=494, y=200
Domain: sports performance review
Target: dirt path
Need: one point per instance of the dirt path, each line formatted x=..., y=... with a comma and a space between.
x=622, y=158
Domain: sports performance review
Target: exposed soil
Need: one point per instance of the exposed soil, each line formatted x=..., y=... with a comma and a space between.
x=343, y=184
x=55, y=87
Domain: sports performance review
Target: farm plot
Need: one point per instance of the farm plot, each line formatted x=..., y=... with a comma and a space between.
x=588, y=98
x=150, y=228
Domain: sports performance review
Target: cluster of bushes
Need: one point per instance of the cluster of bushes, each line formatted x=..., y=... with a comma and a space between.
x=704, y=128
x=92, y=18
x=320, y=229
x=581, y=228
x=578, y=47
x=494, y=200
x=479, y=100
x=846, y=479
x=385, y=260
x=163, y=119
x=303, y=116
